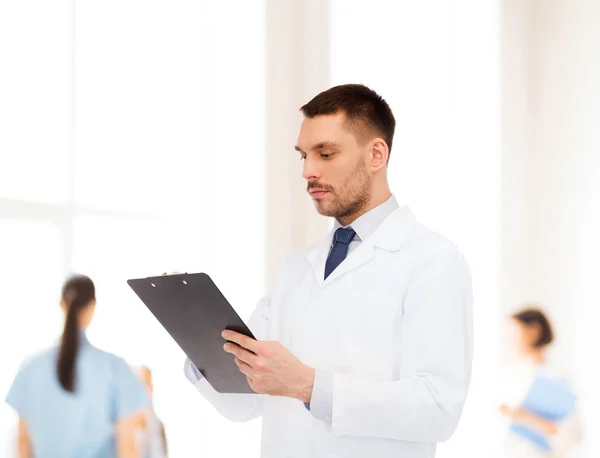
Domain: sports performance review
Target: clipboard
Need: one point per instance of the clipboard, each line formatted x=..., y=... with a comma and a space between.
x=194, y=312
x=549, y=398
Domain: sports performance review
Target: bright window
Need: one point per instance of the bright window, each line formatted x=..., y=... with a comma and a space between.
x=127, y=130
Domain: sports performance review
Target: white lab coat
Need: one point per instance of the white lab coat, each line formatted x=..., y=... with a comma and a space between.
x=393, y=323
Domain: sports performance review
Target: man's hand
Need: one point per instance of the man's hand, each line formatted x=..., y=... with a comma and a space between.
x=270, y=367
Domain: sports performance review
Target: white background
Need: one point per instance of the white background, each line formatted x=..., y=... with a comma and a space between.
x=133, y=139
x=120, y=126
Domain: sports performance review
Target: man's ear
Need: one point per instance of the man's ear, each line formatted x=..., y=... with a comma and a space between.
x=379, y=153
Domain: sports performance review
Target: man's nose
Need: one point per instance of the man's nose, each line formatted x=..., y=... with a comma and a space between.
x=310, y=170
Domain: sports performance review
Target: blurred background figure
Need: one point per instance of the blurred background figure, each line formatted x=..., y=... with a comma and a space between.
x=150, y=435
x=529, y=335
x=74, y=400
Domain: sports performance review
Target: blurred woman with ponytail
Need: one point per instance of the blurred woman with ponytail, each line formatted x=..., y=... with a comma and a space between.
x=73, y=400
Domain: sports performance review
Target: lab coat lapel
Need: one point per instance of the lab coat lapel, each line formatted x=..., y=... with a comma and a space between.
x=317, y=257
x=361, y=255
x=390, y=236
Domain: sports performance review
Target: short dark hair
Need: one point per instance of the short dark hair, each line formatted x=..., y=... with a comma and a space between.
x=534, y=316
x=366, y=111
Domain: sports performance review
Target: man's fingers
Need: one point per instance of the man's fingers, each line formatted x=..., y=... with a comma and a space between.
x=240, y=353
x=251, y=375
x=245, y=368
x=241, y=340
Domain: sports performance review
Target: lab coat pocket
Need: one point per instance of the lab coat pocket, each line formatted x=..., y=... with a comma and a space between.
x=360, y=341
x=371, y=369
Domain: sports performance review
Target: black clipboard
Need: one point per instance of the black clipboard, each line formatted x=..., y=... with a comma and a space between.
x=194, y=312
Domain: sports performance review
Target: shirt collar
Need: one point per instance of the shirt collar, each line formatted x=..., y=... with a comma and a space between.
x=367, y=224
x=83, y=340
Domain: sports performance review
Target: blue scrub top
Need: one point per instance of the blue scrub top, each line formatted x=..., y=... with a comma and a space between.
x=79, y=424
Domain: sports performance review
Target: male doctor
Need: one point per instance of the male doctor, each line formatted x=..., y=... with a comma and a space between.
x=365, y=341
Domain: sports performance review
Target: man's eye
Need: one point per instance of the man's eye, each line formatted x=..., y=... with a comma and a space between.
x=302, y=158
x=326, y=156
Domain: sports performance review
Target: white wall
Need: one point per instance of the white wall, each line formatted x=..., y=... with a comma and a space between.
x=551, y=166
x=298, y=35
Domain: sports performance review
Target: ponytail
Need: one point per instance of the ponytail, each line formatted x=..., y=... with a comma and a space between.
x=78, y=292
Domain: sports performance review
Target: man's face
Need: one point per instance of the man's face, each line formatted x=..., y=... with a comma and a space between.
x=335, y=166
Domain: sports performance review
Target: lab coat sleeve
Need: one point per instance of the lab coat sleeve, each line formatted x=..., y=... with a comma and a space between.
x=236, y=407
x=321, y=401
x=425, y=401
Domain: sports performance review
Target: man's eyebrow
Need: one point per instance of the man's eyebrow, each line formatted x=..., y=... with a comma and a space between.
x=325, y=144
x=320, y=145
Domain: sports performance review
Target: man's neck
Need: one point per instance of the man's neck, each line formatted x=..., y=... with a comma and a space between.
x=373, y=203
x=377, y=201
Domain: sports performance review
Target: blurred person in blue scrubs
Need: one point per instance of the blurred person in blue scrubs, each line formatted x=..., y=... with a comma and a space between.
x=73, y=400
x=529, y=336
x=151, y=437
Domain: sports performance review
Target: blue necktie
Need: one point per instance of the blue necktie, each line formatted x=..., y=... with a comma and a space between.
x=339, y=251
